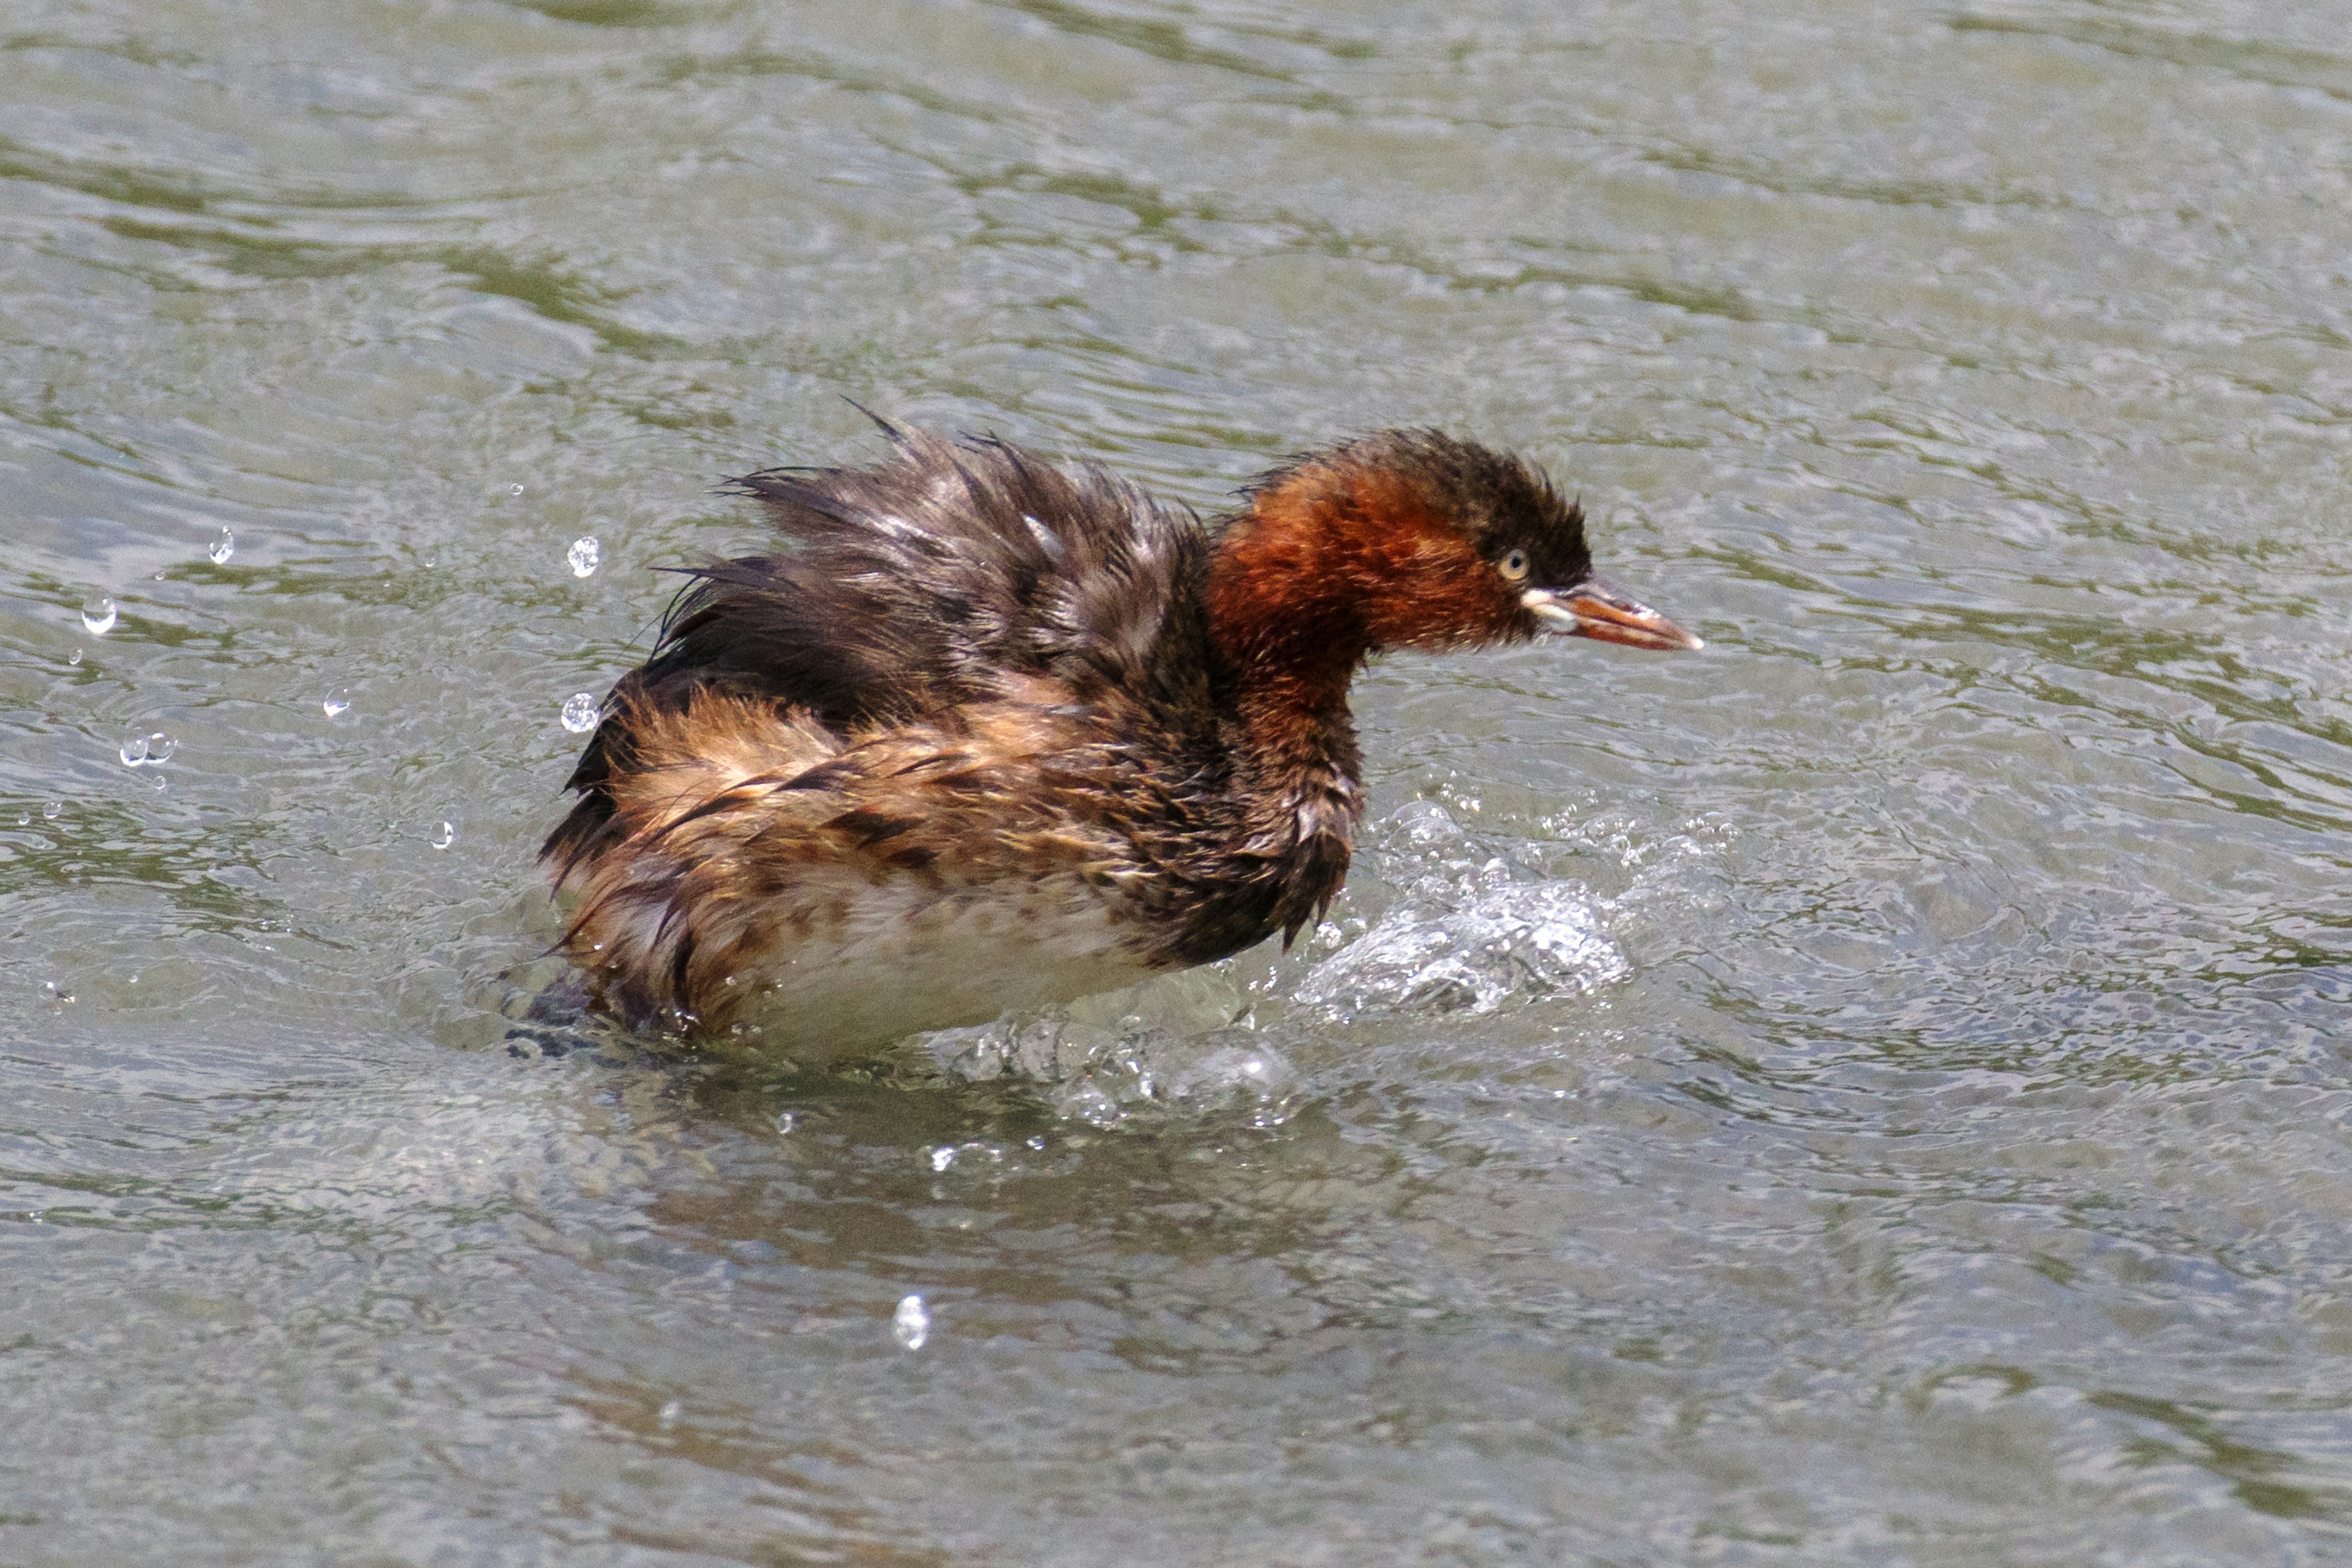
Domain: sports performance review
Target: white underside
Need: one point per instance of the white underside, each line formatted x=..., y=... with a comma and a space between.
x=910, y=960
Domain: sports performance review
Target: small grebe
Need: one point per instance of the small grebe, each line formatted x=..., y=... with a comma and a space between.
x=991, y=733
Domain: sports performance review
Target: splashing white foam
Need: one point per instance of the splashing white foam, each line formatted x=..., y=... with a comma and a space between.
x=1516, y=940
x=1467, y=935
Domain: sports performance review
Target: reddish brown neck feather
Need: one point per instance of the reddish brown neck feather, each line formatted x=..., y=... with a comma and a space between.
x=1324, y=569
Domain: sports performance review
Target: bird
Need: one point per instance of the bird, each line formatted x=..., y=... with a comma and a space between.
x=984, y=732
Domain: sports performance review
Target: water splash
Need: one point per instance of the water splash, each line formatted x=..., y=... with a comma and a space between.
x=580, y=712
x=1170, y=1043
x=1514, y=939
x=99, y=613
x=222, y=547
x=910, y=1325
x=149, y=751
x=585, y=554
x=337, y=702
x=1468, y=935
x=1254, y=1072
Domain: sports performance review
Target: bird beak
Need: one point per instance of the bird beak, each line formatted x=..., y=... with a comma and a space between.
x=1600, y=609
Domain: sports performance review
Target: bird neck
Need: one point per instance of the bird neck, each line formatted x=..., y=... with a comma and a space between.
x=1285, y=614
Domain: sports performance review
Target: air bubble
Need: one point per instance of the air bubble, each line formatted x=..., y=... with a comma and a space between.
x=74, y=657
x=336, y=701
x=579, y=714
x=667, y=1417
x=149, y=751
x=785, y=1123
x=942, y=1157
x=223, y=548
x=446, y=836
x=910, y=1325
x=53, y=809
x=97, y=615
x=585, y=554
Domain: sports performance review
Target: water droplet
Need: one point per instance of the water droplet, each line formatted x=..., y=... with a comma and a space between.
x=516, y=490
x=53, y=809
x=583, y=556
x=446, y=836
x=910, y=1325
x=24, y=819
x=785, y=1123
x=97, y=615
x=149, y=751
x=338, y=700
x=669, y=1414
x=942, y=1157
x=223, y=548
x=74, y=657
x=580, y=713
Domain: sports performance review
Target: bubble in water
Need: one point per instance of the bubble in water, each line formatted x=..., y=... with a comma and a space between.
x=337, y=700
x=942, y=1157
x=514, y=490
x=149, y=751
x=580, y=713
x=24, y=819
x=97, y=615
x=583, y=556
x=785, y=1123
x=667, y=1417
x=910, y=1325
x=446, y=836
x=223, y=548
x=74, y=657
x=1257, y=1070
x=53, y=809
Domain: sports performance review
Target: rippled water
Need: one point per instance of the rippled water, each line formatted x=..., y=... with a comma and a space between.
x=1874, y=1092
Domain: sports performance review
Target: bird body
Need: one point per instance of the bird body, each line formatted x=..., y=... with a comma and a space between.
x=987, y=732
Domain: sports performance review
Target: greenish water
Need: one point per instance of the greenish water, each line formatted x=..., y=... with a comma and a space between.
x=1874, y=1092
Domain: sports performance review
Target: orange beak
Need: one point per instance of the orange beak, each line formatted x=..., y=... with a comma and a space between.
x=1599, y=609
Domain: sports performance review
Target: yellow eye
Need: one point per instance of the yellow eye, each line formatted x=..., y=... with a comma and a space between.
x=1514, y=566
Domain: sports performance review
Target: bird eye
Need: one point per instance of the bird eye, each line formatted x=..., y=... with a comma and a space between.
x=1515, y=565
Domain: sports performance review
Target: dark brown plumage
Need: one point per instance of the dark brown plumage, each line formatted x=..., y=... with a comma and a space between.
x=988, y=733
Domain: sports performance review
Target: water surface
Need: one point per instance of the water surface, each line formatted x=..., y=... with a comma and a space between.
x=1874, y=1092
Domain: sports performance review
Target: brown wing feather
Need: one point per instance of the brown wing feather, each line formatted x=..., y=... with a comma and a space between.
x=923, y=582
